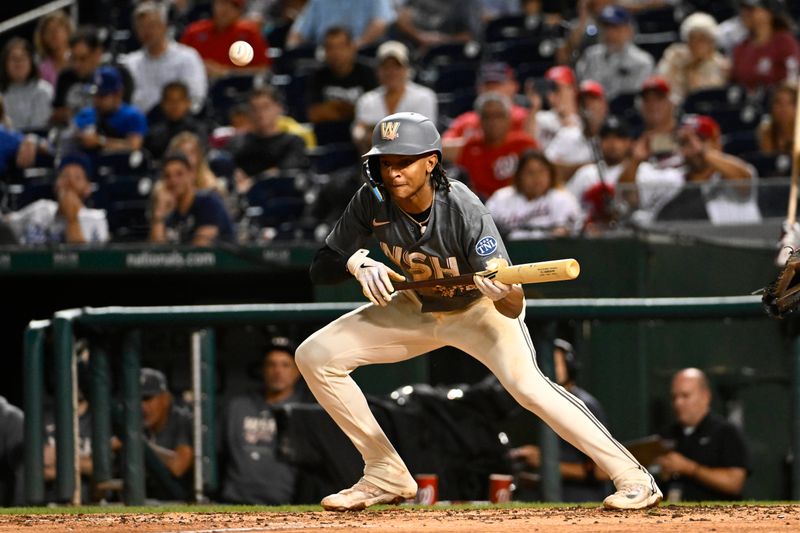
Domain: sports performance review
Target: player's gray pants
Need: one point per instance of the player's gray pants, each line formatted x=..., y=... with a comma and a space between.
x=372, y=334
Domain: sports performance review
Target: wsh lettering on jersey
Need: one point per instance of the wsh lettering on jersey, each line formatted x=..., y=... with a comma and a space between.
x=419, y=265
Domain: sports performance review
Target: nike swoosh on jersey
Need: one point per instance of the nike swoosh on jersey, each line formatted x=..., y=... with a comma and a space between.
x=376, y=223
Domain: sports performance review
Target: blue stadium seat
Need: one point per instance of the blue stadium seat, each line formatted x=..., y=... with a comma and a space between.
x=656, y=20
x=740, y=142
x=705, y=100
x=525, y=50
x=226, y=92
x=326, y=159
x=332, y=131
x=623, y=103
x=736, y=119
x=447, y=53
x=769, y=165
x=655, y=43
x=276, y=36
x=31, y=190
x=134, y=163
x=293, y=88
x=126, y=200
x=504, y=28
x=453, y=104
x=449, y=78
x=272, y=187
x=296, y=59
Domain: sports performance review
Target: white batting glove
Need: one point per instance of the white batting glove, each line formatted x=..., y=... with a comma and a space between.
x=375, y=277
x=494, y=290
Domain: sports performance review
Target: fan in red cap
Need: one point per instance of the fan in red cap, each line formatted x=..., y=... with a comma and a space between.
x=562, y=97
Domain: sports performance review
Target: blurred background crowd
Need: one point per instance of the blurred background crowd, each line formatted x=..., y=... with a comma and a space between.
x=125, y=121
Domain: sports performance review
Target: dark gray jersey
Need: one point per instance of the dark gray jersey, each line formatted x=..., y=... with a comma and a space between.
x=460, y=238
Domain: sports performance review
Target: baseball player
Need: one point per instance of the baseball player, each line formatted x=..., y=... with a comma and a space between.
x=430, y=227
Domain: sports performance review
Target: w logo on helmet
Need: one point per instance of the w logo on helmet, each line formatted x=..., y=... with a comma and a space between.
x=389, y=130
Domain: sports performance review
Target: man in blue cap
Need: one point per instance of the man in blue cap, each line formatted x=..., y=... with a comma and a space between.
x=65, y=219
x=109, y=124
x=619, y=65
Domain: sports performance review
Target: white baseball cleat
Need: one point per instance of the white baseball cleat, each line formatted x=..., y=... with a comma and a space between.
x=634, y=496
x=358, y=497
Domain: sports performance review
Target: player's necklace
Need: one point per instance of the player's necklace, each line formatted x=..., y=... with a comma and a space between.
x=423, y=224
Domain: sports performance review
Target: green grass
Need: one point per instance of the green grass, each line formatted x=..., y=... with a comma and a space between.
x=218, y=508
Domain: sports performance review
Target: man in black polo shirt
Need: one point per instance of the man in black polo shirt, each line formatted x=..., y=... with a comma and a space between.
x=709, y=461
x=334, y=88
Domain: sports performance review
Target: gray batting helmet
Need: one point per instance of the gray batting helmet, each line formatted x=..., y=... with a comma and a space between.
x=405, y=134
x=400, y=134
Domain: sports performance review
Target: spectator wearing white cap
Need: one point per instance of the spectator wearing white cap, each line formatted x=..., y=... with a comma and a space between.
x=695, y=63
x=395, y=94
x=619, y=65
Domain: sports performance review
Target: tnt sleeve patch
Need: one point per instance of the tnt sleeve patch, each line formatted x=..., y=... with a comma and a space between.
x=486, y=246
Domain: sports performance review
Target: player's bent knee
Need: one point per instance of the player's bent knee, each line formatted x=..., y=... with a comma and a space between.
x=311, y=356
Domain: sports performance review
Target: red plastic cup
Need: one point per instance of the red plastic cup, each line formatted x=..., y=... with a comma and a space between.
x=500, y=487
x=427, y=489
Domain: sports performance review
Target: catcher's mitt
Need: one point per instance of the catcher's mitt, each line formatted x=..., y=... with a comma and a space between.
x=782, y=296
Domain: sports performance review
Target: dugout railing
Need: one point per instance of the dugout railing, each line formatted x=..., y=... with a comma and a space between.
x=128, y=322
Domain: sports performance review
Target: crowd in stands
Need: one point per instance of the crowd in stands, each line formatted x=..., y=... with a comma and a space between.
x=627, y=111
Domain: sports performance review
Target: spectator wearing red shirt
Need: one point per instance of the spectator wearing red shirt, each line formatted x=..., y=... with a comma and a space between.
x=491, y=158
x=493, y=77
x=212, y=38
x=770, y=54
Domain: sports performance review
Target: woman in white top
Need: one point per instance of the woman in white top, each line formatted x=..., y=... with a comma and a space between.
x=27, y=97
x=535, y=206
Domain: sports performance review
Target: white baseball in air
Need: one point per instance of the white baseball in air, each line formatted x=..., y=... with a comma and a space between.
x=241, y=53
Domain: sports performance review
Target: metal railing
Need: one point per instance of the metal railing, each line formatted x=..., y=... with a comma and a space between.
x=129, y=321
x=33, y=14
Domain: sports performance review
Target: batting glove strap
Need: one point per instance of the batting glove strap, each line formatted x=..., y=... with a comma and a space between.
x=374, y=277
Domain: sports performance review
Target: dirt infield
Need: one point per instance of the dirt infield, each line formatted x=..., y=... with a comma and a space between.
x=781, y=517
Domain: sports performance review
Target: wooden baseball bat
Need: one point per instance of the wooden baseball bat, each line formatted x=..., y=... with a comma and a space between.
x=546, y=271
x=791, y=212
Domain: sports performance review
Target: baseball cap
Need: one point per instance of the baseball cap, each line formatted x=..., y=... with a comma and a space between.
x=495, y=72
x=106, y=80
x=561, y=75
x=614, y=16
x=151, y=382
x=591, y=88
x=614, y=125
x=704, y=126
x=656, y=83
x=284, y=344
x=394, y=49
x=76, y=158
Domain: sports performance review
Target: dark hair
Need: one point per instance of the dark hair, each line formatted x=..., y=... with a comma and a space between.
x=14, y=42
x=439, y=178
x=535, y=155
x=175, y=156
x=266, y=90
x=179, y=85
x=338, y=30
x=87, y=35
